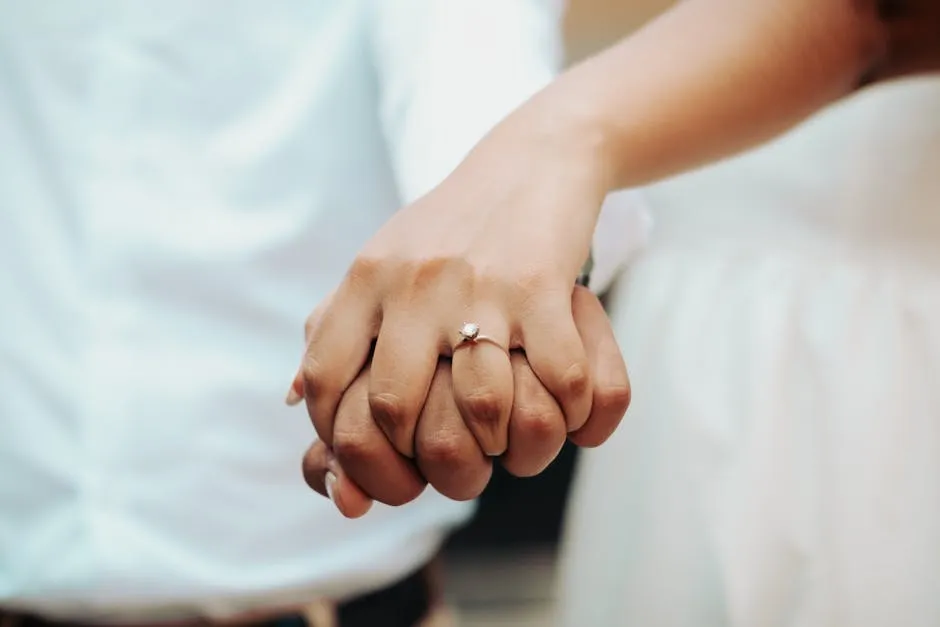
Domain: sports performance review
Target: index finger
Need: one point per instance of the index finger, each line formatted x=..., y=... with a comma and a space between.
x=337, y=350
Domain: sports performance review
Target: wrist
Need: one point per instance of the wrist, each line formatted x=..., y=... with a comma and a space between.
x=565, y=129
x=558, y=147
x=549, y=162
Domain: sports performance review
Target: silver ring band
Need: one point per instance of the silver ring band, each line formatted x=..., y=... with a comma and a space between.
x=470, y=334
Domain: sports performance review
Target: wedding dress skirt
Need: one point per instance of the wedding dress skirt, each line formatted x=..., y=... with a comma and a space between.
x=780, y=464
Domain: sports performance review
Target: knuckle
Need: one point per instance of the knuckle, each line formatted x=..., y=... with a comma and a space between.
x=430, y=271
x=610, y=405
x=576, y=381
x=316, y=377
x=413, y=275
x=485, y=406
x=364, y=270
x=531, y=281
x=442, y=449
x=540, y=423
x=355, y=446
x=389, y=408
x=614, y=399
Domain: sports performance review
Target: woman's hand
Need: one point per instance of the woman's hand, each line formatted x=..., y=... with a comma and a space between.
x=499, y=244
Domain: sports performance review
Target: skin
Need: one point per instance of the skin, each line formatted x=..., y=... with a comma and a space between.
x=501, y=240
x=366, y=466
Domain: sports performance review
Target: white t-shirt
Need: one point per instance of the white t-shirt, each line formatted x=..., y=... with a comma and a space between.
x=180, y=183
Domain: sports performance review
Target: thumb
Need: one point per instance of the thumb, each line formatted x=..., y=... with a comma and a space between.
x=325, y=476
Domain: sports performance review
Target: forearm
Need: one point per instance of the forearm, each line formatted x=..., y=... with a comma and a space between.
x=708, y=79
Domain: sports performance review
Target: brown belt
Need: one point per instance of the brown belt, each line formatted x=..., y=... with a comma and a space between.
x=403, y=604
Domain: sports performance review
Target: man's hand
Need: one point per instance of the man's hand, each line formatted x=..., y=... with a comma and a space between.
x=363, y=465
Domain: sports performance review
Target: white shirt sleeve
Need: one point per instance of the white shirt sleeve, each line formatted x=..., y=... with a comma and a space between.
x=450, y=70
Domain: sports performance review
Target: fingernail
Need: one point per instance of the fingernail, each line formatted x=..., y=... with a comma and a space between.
x=331, y=462
x=491, y=448
x=330, y=482
x=294, y=396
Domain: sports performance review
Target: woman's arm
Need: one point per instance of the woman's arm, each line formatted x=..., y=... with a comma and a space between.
x=710, y=78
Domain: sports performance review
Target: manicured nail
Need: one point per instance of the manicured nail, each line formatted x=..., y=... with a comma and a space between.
x=331, y=464
x=490, y=445
x=294, y=396
x=494, y=452
x=330, y=482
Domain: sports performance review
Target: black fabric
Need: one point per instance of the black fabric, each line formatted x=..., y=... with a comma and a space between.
x=403, y=604
x=400, y=605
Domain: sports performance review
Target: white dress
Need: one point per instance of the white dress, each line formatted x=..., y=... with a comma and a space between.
x=780, y=465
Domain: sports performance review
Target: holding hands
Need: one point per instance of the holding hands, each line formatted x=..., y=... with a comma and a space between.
x=444, y=347
x=499, y=243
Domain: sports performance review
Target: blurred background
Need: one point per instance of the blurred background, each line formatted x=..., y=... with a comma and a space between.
x=501, y=567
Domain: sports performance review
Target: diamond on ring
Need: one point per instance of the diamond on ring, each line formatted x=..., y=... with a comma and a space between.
x=469, y=332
